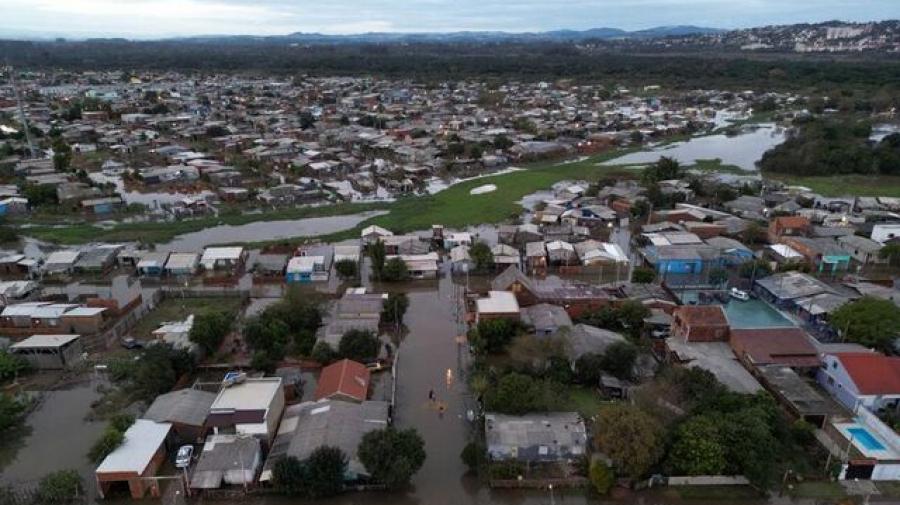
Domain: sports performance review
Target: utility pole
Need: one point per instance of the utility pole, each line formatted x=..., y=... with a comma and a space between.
x=21, y=109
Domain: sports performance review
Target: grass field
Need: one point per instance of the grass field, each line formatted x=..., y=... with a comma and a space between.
x=585, y=401
x=845, y=185
x=177, y=309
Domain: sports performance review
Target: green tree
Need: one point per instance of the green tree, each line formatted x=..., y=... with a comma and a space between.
x=323, y=353
x=697, y=449
x=11, y=366
x=631, y=438
x=378, y=255
x=502, y=142
x=890, y=252
x=482, y=256
x=11, y=412
x=753, y=234
x=346, y=269
x=718, y=276
x=869, y=321
x=588, y=369
x=107, y=443
x=289, y=476
x=619, y=359
x=359, y=345
x=392, y=456
x=394, y=308
x=663, y=170
x=63, y=486
x=325, y=470
x=755, y=269
x=474, y=455
x=517, y=393
x=602, y=477
x=394, y=271
x=643, y=275
x=493, y=336
x=267, y=333
x=209, y=330
x=158, y=369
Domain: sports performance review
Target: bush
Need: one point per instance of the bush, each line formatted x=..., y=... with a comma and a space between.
x=518, y=394
x=346, y=269
x=602, y=477
x=108, y=442
x=506, y=470
x=323, y=353
x=643, y=275
x=60, y=487
x=619, y=359
x=474, y=455
x=493, y=336
x=11, y=411
x=11, y=366
x=803, y=433
x=209, y=330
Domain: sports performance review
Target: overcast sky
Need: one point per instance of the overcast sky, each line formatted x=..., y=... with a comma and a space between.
x=155, y=18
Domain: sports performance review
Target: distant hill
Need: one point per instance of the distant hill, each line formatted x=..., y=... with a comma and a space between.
x=460, y=37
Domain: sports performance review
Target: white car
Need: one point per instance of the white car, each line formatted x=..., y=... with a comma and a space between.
x=740, y=294
x=184, y=456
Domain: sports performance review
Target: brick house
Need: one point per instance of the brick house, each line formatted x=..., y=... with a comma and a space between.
x=700, y=323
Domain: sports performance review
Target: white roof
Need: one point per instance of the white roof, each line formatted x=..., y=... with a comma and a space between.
x=85, y=311
x=181, y=261
x=252, y=394
x=22, y=309
x=45, y=341
x=62, y=257
x=375, y=229
x=560, y=245
x=212, y=254
x=304, y=263
x=498, y=302
x=142, y=440
x=785, y=251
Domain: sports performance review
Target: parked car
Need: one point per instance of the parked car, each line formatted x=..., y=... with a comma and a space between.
x=131, y=343
x=184, y=456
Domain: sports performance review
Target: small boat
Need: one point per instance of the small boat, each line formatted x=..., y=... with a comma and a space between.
x=739, y=294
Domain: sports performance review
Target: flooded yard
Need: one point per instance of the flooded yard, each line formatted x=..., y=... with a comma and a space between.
x=266, y=230
x=56, y=437
x=742, y=150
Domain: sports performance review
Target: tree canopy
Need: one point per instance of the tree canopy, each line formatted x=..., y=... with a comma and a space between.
x=392, y=456
x=631, y=438
x=869, y=321
x=359, y=345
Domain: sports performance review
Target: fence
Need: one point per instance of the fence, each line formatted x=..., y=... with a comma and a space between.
x=559, y=483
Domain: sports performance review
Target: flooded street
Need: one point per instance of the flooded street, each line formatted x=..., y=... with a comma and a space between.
x=742, y=150
x=56, y=437
x=266, y=230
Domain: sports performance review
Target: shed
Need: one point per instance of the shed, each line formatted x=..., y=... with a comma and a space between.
x=49, y=352
x=141, y=454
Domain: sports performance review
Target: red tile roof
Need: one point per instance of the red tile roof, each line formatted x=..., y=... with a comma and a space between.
x=776, y=346
x=345, y=378
x=873, y=373
x=791, y=221
x=702, y=315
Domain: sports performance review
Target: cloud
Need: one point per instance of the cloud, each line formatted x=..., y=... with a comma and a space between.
x=151, y=18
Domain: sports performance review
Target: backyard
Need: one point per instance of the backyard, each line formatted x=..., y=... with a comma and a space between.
x=177, y=309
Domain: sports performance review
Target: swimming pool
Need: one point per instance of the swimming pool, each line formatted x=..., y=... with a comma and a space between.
x=864, y=438
x=754, y=314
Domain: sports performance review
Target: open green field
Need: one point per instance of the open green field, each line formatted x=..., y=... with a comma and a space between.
x=845, y=185
x=177, y=309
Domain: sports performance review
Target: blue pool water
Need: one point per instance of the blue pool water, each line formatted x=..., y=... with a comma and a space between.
x=754, y=314
x=864, y=438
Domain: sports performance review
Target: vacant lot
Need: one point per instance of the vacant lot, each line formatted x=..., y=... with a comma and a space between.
x=177, y=309
x=846, y=185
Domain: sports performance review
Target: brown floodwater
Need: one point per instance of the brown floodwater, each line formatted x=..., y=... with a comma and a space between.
x=56, y=437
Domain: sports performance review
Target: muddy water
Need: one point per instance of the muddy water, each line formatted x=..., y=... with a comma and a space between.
x=57, y=437
x=266, y=230
x=743, y=150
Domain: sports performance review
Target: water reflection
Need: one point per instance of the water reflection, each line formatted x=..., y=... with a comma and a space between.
x=742, y=150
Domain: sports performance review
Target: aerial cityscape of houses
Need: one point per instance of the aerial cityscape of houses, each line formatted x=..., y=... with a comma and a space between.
x=619, y=327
